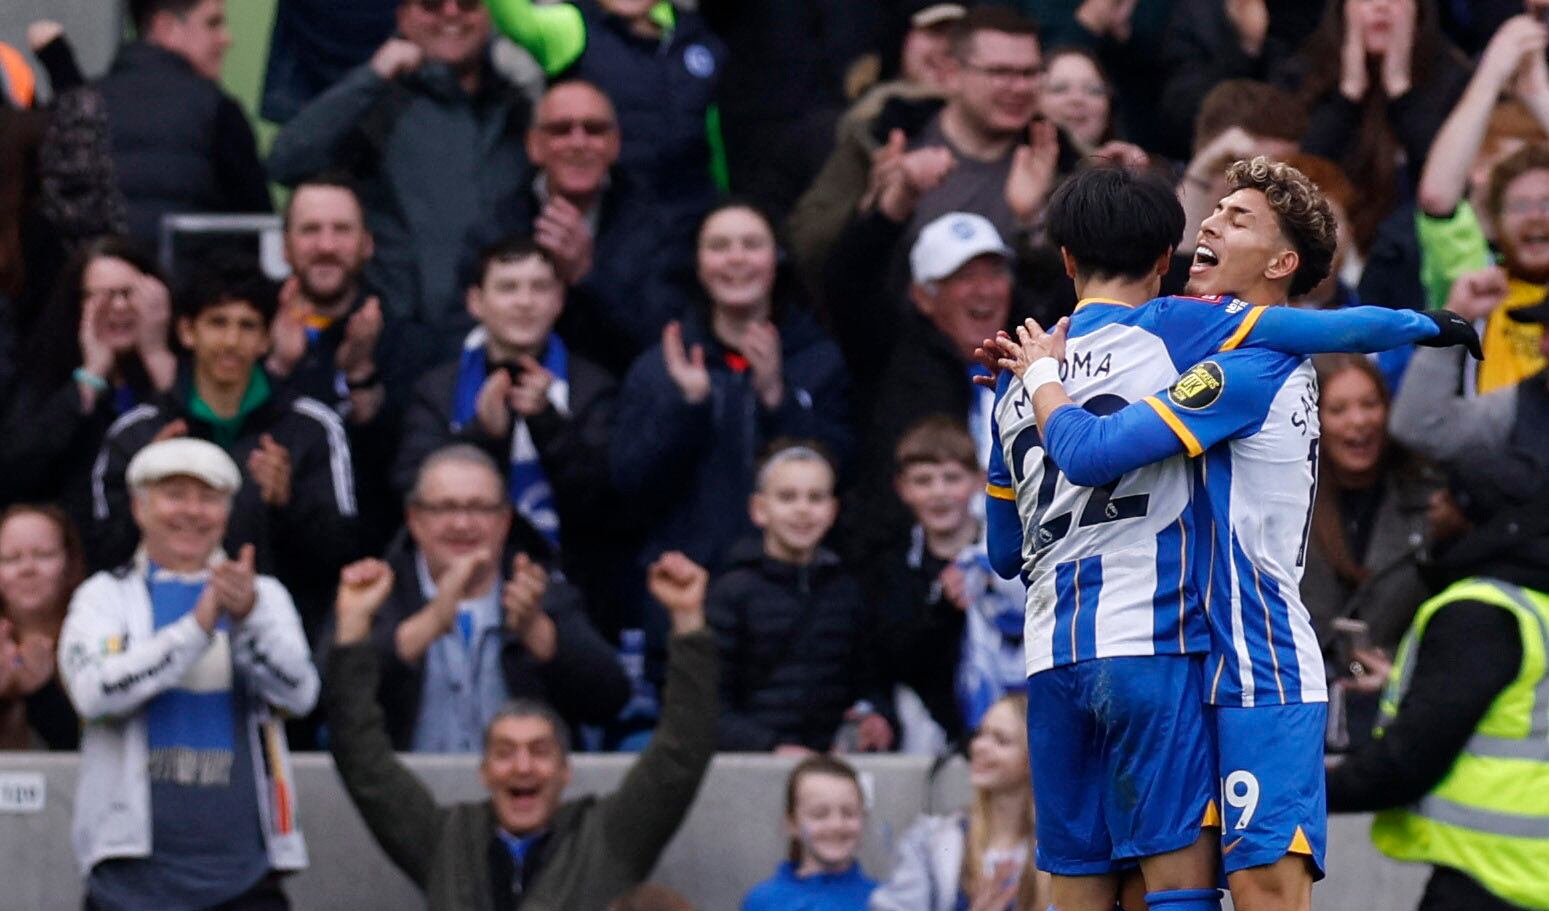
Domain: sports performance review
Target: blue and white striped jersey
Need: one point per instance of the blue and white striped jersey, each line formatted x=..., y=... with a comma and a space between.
x=1106, y=567
x=1249, y=420
x=1253, y=417
x=1106, y=526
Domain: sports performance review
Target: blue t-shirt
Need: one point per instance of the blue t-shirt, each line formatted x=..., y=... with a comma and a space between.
x=207, y=843
x=785, y=891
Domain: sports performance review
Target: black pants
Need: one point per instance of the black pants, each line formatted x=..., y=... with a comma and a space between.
x=1450, y=890
x=266, y=895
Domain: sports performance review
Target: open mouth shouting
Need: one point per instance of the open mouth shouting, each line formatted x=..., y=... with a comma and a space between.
x=1205, y=259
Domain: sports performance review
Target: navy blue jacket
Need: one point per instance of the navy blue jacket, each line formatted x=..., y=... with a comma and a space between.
x=688, y=469
x=663, y=90
x=642, y=256
x=796, y=650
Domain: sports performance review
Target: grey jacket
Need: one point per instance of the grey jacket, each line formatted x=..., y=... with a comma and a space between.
x=430, y=161
x=1432, y=419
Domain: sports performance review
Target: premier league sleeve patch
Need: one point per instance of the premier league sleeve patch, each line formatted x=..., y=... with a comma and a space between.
x=1199, y=388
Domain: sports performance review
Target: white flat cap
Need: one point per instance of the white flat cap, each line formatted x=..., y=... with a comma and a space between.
x=184, y=456
x=947, y=243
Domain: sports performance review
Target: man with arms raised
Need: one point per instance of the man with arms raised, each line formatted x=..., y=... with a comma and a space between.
x=522, y=847
x=1271, y=238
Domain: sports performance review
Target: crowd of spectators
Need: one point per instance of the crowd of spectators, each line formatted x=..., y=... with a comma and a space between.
x=618, y=393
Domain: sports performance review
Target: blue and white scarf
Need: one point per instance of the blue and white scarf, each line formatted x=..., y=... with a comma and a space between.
x=191, y=728
x=527, y=485
x=992, y=663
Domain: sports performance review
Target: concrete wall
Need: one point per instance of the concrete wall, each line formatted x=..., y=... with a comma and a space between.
x=93, y=26
x=731, y=840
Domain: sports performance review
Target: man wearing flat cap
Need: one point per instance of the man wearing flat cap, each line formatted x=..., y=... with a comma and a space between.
x=182, y=665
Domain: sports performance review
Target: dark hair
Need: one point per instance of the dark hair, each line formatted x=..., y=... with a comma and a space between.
x=1371, y=159
x=1532, y=157
x=512, y=249
x=1087, y=54
x=53, y=347
x=532, y=708
x=819, y=764
x=987, y=18
x=934, y=440
x=338, y=180
x=141, y=12
x=651, y=897
x=786, y=292
x=21, y=136
x=69, y=537
x=1301, y=211
x=228, y=277
x=1255, y=107
x=1114, y=222
x=1328, y=520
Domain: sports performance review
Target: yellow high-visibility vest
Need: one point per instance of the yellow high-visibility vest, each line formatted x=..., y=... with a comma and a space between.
x=1489, y=817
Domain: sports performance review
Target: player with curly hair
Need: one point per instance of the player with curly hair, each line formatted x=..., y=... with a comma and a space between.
x=1243, y=422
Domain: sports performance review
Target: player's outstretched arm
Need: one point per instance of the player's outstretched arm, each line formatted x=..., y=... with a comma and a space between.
x=1092, y=451
x=1361, y=330
x=1215, y=400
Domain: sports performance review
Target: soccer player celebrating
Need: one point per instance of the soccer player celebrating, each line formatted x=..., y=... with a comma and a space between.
x=1115, y=636
x=1251, y=412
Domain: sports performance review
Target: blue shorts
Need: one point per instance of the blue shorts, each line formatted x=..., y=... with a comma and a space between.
x=1121, y=760
x=1273, y=793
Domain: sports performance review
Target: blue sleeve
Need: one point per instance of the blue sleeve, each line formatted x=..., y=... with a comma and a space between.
x=1003, y=527
x=999, y=474
x=1093, y=450
x=1003, y=536
x=1362, y=330
x=1219, y=399
x=1224, y=398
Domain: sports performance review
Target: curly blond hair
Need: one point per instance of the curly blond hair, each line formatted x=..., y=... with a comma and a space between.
x=1303, y=213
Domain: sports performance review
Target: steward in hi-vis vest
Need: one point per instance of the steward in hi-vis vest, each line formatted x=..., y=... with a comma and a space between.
x=1458, y=771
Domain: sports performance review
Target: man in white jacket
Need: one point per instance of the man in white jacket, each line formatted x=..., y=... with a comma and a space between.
x=182, y=665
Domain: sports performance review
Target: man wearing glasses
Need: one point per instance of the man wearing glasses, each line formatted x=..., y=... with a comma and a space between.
x=433, y=135
x=614, y=242
x=473, y=621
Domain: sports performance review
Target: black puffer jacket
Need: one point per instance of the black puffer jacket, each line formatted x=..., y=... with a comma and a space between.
x=192, y=150
x=795, y=650
x=304, y=543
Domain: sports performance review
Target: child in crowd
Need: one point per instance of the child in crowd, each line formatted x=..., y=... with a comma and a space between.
x=940, y=591
x=297, y=502
x=792, y=625
x=516, y=391
x=992, y=837
x=825, y=815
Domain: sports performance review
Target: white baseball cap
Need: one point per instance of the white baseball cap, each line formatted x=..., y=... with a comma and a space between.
x=927, y=14
x=947, y=243
x=184, y=456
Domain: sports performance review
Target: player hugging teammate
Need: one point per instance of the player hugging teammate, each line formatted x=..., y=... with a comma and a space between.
x=1152, y=481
